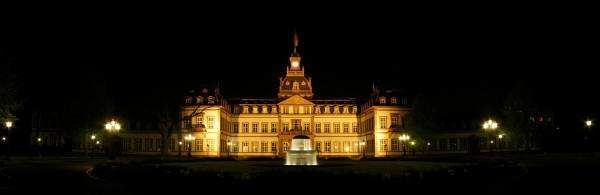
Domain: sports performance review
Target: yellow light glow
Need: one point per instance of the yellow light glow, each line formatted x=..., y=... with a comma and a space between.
x=39, y=139
x=491, y=142
x=412, y=143
x=500, y=136
x=295, y=64
x=93, y=137
x=490, y=125
x=180, y=143
x=588, y=123
x=97, y=142
x=347, y=149
x=8, y=124
x=3, y=138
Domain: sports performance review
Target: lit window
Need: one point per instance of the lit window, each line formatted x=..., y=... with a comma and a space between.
x=381, y=100
x=394, y=100
x=210, y=122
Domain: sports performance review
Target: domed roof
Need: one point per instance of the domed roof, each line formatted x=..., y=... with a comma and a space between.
x=301, y=137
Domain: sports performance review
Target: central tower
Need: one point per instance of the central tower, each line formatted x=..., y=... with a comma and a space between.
x=295, y=83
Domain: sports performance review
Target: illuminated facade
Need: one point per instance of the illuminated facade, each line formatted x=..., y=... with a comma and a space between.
x=265, y=127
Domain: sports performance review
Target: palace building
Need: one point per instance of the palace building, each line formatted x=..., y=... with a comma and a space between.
x=265, y=127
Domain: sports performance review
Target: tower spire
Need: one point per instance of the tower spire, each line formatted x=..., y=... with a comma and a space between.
x=295, y=40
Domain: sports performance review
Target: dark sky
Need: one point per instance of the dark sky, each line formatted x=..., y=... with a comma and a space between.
x=461, y=51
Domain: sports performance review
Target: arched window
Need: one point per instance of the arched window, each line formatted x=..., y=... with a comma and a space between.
x=188, y=100
x=394, y=100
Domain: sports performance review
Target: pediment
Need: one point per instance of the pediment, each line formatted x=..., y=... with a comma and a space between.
x=295, y=100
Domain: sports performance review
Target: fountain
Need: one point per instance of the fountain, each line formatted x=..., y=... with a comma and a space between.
x=301, y=152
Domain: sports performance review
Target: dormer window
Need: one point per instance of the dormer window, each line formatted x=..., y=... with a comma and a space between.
x=404, y=101
x=303, y=83
x=211, y=99
x=394, y=100
x=199, y=100
x=295, y=86
x=381, y=100
x=188, y=100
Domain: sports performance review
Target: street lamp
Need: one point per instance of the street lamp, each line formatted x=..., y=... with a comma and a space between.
x=362, y=146
x=228, y=148
x=500, y=136
x=93, y=137
x=8, y=125
x=490, y=126
x=190, y=139
x=412, y=147
x=403, y=138
x=112, y=127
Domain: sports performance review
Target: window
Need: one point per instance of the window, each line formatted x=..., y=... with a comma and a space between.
x=264, y=127
x=198, y=145
x=211, y=145
x=273, y=127
x=236, y=147
x=327, y=128
x=296, y=126
x=327, y=146
x=306, y=126
x=255, y=145
x=245, y=147
x=264, y=146
x=274, y=147
x=404, y=101
x=296, y=109
x=187, y=123
x=236, y=127
x=381, y=100
x=295, y=85
x=285, y=146
x=383, y=145
x=318, y=146
x=199, y=100
x=394, y=120
x=395, y=145
x=188, y=100
x=199, y=121
x=383, y=122
x=210, y=120
x=346, y=127
x=394, y=100
x=245, y=127
x=254, y=127
x=354, y=127
x=286, y=127
x=336, y=127
x=318, y=127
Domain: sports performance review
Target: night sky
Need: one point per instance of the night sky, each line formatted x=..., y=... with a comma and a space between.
x=464, y=53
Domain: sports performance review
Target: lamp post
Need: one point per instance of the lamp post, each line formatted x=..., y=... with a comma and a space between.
x=8, y=125
x=489, y=126
x=500, y=136
x=190, y=139
x=362, y=146
x=113, y=128
x=38, y=144
x=412, y=147
x=403, y=138
x=93, y=137
x=588, y=125
x=228, y=148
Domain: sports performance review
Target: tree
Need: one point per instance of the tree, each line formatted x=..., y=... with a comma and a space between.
x=168, y=113
x=9, y=101
x=422, y=119
x=519, y=106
